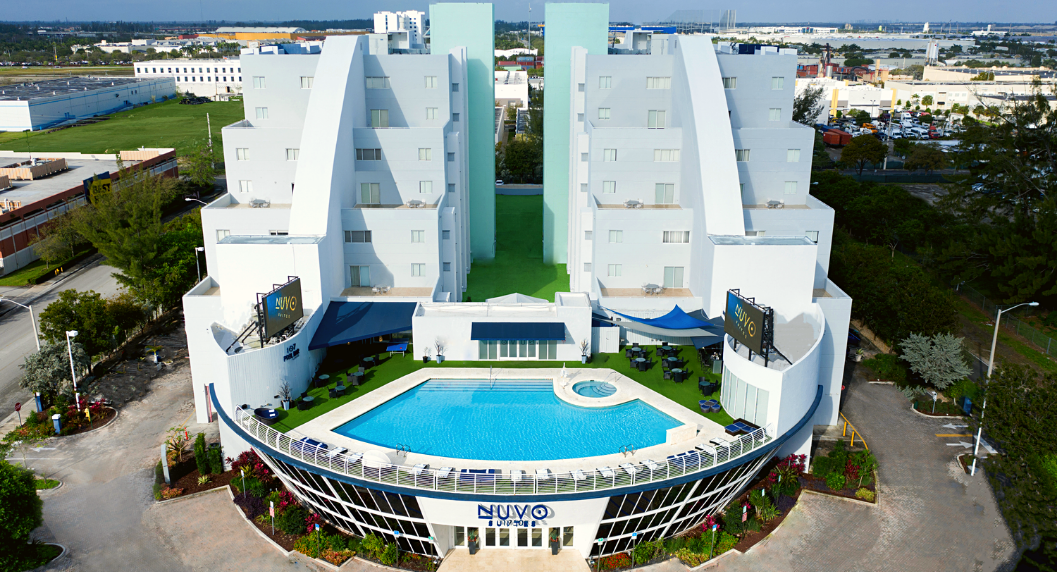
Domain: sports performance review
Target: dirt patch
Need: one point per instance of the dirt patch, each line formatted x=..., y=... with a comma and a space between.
x=282, y=539
x=812, y=483
x=930, y=193
x=190, y=486
x=129, y=378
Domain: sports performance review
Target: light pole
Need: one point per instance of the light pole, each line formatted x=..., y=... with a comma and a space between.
x=189, y=199
x=32, y=320
x=73, y=373
x=990, y=368
x=197, y=267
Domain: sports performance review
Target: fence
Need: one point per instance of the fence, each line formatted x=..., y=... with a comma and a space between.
x=492, y=481
x=1011, y=323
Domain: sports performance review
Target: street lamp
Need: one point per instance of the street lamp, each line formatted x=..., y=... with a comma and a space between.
x=73, y=373
x=189, y=199
x=32, y=320
x=197, y=267
x=990, y=368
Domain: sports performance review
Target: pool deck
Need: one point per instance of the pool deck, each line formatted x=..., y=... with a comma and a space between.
x=680, y=439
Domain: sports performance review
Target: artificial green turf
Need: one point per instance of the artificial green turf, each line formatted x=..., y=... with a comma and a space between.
x=518, y=265
x=165, y=124
x=389, y=369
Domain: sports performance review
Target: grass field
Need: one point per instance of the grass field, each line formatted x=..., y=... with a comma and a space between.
x=392, y=368
x=166, y=124
x=48, y=72
x=518, y=265
x=28, y=274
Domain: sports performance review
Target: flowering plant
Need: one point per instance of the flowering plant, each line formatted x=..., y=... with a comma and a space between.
x=249, y=462
x=710, y=521
x=312, y=520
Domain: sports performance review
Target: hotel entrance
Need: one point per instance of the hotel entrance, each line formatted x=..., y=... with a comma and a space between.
x=511, y=537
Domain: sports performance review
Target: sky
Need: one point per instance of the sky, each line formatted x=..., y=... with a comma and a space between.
x=638, y=11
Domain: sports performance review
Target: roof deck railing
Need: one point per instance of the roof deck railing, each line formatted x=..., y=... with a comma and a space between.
x=494, y=481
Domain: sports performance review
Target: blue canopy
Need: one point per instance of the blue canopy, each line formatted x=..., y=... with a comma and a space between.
x=353, y=321
x=677, y=319
x=497, y=331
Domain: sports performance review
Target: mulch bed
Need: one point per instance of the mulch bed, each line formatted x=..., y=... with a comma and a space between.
x=965, y=462
x=749, y=539
x=189, y=481
x=97, y=421
x=282, y=539
x=818, y=485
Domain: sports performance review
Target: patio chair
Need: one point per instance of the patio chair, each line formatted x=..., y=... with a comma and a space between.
x=578, y=475
x=629, y=469
x=665, y=365
x=337, y=451
x=516, y=475
x=635, y=344
x=444, y=472
x=627, y=352
x=542, y=474
x=651, y=464
x=419, y=468
x=332, y=393
x=667, y=374
x=606, y=472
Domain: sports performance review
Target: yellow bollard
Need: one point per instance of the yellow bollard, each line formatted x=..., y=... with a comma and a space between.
x=852, y=438
x=845, y=433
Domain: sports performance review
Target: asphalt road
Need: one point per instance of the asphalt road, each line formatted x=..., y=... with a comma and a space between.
x=16, y=334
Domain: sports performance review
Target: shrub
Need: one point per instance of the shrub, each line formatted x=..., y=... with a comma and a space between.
x=725, y=543
x=839, y=457
x=614, y=561
x=253, y=463
x=311, y=522
x=673, y=545
x=645, y=551
x=21, y=510
x=372, y=545
x=353, y=543
x=291, y=520
x=732, y=521
x=851, y=471
x=200, y=454
x=329, y=547
x=698, y=544
x=216, y=461
x=865, y=494
x=752, y=525
x=767, y=512
x=254, y=486
x=836, y=481
x=157, y=491
x=171, y=493
x=692, y=559
x=867, y=464
x=389, y=555
x=784, y=479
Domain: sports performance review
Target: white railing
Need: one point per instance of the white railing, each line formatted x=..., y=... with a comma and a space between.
x=525, y=482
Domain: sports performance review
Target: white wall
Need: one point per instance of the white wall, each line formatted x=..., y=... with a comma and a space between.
x=779, y=276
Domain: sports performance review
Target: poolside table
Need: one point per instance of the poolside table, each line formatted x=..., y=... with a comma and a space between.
x=368, y=362
x=636, y=350
x=339, y=390
x=356, y=378
x=673, y=359
x=639, y=360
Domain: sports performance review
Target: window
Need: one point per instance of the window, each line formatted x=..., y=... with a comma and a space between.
x=306, y=82
x=616, y=236
x=357, y=236
x=812, y=235
x=775, y=114
x=447, y=266
x=431, y=82
x=665, y=155
x=755, y=233
x=603, y=113
x=580, y=87
x=222, y=234
x=665, y=193
x=730, y=83
x=262, y=113
x=368, y=154
x=587, y=266
x=741, y=155
x=258, y=82
x=583, y=187
x=455, y=88
x=614, y=270
x=418, y=269
x=567, y=536
x=658, y=83
x=583, y=156
x=418, y=236
x=361, y=276
x=676, y=236
x=455, y=117
x=242, y=154
x=609, y=155
x=425, y=186
x=451, y=187
x=580, y=117
x=377, y=83
x=379, y=118
x=792, y=156
x=431, y=113
x=246, y=186
x=655, y=120
x=425, y=154
x=777, y=83
x=451, y=157
x=292, y=154
x=589, y=235
x=605, y=82
x=370, y=193
x=609, y=187
x=790, y=187
x=445, y=234
x=673, y=276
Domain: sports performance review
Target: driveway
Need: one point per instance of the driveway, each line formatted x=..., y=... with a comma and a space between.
x=931, y=516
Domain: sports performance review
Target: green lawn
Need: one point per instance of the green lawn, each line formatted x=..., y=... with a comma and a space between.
x=28, y=274
x=518, y=265
x=165, y=124
x=395, y=367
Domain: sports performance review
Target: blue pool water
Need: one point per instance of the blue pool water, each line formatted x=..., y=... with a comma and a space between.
x=594, y=389
x=518, y=420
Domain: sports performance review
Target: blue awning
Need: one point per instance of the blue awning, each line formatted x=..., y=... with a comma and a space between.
x=497, y=331
x=353, y=321
x=677, y=319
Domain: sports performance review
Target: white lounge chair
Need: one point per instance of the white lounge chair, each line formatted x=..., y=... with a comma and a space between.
x=651, y=464
x=719, y=442
x=444, y=472
x=419, y=468
x=705, y=448
x=629, y=469
x=353, y=458
x=337, y=451
x=578, y=475
x=543, y=474
x=606, y=472
x=515, y=475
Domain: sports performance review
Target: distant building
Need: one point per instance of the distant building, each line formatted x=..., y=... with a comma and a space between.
x=247, y=34
x=512, y=89
x=48, y=103
x=218, y=79
x=513, y=53
x=410, y=21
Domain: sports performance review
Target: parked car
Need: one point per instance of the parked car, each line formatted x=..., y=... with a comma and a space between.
x=499, y=182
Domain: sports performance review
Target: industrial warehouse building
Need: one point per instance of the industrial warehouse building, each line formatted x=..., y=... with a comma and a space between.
x=44, y=104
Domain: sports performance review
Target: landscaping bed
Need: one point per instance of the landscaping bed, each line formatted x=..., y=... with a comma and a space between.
x=813, y=483
x=966, y=462
x=189, y=482
x=843, y=473
x=785, y=504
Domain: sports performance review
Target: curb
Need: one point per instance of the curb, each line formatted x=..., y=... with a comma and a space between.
x=192, y=495
x=52, y=489
x=44, y=566
x=879, y=382
x=944, y=416
x=715, y=561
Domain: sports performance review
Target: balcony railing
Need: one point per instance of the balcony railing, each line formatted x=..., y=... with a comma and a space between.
x=491, y=481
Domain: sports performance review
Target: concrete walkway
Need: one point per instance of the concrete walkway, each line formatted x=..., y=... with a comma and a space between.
x=536, y=560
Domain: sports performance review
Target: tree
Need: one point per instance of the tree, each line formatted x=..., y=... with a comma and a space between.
x=862, y=150
x=927, y=100
x=84, y=312
x=809, y=105
x=48, y=371
x=928, y=157
x=1021, y=413
x=200, y=165
x=937, y=360
x=523, y=159
x=983, y=76
x=21, y=511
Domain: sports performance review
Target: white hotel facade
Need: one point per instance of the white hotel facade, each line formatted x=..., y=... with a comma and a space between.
x=678, y=167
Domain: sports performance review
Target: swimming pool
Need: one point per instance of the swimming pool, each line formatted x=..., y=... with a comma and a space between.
x=510, y=420
x=594, y=389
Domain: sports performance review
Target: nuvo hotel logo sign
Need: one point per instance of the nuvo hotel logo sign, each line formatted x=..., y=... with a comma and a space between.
x=513, y=514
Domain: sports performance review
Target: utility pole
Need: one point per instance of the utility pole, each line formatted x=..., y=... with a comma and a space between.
x=209, y=129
